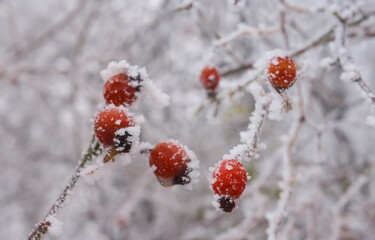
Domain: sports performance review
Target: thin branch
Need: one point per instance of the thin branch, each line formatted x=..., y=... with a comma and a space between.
x=184, y=7
x=324, y=38
x=245, y=30
x=294, y=7
x=50, y=32
x=321, y=39
x=341, y=203
x=42, y=227
x=239, y=69
x=350, y=69
x=82, y=36
x=283, y=28
x=275, y=218
x=249, y=146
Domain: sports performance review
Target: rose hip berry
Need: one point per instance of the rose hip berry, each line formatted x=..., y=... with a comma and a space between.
x=170, y=161
x=228, y=182
x=281, y=73
x=210, y=78
x=108, y=121
x=119, y=90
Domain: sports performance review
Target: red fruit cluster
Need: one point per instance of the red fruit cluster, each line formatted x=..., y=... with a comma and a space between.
x=170, y=161
x=281, y=73
x=120, y=90
x=228, y=182
x=210, y=78
x=108, y=121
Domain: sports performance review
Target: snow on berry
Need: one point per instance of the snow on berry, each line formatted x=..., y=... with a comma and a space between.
x=114, y=68
x=281, y=73
x=209, y=78
x=228, y=181
x=118, y=90
x=109, y=121
x=173, y=163
x=126, y=83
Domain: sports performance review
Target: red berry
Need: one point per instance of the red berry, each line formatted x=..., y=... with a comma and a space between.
x=229, y=181
x=118, y=90
x=210, y=78
x=170, y=161
x=281, y=73
x=108, y=121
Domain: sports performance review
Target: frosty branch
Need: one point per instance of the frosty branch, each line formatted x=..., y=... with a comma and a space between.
x=117, y=134
x=275, y=218
x=249, y=147
x=42, y=227
x=323, y=38
x=351, y=70
x=342, y=202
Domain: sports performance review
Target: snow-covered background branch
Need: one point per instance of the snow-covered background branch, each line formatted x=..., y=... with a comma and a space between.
x=309, y=151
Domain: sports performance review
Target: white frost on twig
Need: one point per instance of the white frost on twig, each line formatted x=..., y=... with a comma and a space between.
x=276, y=108
x=344, y=199
x=286, y=184
x=243, y=29
x=55, y=227
x=351, y=72
x=249, y=146
x=93, y=173
x=159, y=98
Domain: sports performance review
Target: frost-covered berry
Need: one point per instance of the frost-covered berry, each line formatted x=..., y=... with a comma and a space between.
x=110, y=125
x=170, y=162
x=210, y=78
x=120, y=90
x=281, y=73
x=228, y=181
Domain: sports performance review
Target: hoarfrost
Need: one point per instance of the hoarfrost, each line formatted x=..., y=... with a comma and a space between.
x=114, y=68
x=156, y=95
x=55, y=229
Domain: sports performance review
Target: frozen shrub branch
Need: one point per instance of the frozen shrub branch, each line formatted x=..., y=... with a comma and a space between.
x=275, y=218
x=325, y=37
x=245, y=30
x=184, y=6
x=93, y=150
x=351, y=70
x=51, y=31
x=249, y=146
x=294, y=8
x=42, y=228
x=313, y=183
x=342, y=202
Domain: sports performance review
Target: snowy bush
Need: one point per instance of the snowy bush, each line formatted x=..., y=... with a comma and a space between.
x=305, y=141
